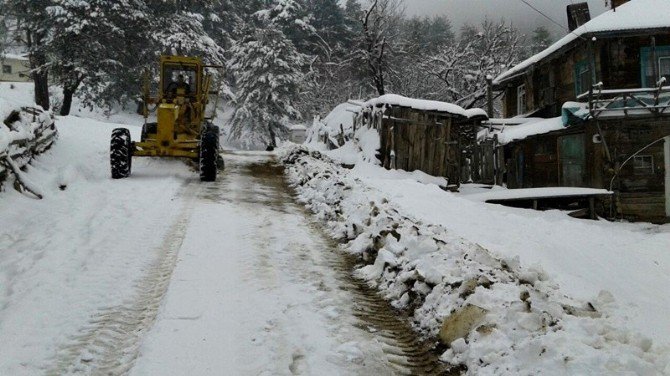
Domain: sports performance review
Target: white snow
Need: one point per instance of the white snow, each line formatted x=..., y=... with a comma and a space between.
x=263, y=299
x=86, y=272
x=535, y=126
x=633, y=15
x=340, y=119
x=80, y=249
x=422, y=104
x=13, y=56
x=597, y=290
x=530, y=193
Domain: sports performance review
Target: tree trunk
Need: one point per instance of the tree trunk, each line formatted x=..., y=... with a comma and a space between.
x=41, y=79
x=67, y=101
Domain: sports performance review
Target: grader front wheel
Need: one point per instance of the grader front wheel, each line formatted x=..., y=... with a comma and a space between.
x=120, y=153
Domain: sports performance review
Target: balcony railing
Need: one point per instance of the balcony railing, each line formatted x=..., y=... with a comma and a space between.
x=627, y=102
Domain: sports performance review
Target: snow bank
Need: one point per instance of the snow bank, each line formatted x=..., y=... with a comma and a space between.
x=26, y=130
x=523, y=323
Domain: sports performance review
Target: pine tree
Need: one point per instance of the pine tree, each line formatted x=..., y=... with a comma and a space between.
x=541, y=39
x=329, y=22
x=292, y=18
x=267, y=70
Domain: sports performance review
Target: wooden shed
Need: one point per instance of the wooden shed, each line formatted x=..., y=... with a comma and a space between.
x=423, y=135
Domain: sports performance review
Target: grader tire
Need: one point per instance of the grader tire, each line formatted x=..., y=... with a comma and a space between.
x=209, y=151
x=120, y=153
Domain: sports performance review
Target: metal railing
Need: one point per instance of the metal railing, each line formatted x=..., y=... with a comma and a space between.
x=626, y=102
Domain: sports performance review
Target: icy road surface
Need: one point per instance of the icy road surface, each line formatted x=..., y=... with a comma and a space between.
x=160, y=274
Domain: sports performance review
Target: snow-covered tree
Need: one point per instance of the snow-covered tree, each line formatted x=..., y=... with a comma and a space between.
x=91, y=42
x=462, y=68
x=541, y=39
x=379, y=31
x=330, y=26
x=268, y=76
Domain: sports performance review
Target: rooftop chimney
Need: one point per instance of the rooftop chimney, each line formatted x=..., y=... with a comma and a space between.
x=579, y=14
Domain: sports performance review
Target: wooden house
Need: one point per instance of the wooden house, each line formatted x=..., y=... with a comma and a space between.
x=429, y=136
x=602, y=94
x=15, y=68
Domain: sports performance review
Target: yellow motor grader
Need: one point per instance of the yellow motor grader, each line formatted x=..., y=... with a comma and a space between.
x=182, y=129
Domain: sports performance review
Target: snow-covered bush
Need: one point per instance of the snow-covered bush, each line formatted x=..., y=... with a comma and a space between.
x=336, y=128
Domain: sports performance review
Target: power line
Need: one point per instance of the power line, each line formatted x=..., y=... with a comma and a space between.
x=545, y=16
x=553, y=21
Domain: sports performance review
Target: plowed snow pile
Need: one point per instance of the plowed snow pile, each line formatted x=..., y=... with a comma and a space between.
x=502, y=317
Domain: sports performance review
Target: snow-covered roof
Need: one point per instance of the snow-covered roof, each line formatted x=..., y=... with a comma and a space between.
x=342, y=115
x=633, y=15
x=519, y=132
x=536, y=193
x=423, y=105
x=13, y=57
x=476, y=112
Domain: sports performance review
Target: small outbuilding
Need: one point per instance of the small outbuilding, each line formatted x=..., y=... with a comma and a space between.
x=15, y=68
x=430, y=136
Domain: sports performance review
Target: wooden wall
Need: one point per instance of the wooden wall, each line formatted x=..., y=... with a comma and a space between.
x=617, y=63
x=535, y=162
x=421, y=140
x=640, y=194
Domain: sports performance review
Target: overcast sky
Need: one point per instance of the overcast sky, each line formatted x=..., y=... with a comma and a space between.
x=473, y=11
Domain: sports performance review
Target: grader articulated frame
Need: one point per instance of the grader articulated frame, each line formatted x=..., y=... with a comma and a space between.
x=182, y=128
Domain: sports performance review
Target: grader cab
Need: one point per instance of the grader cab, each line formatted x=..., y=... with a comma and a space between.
x=182, y=128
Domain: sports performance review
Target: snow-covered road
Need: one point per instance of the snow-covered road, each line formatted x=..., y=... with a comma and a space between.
x=258, y=290
x=160, y=274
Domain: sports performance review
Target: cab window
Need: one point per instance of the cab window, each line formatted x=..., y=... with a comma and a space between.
x=171, y=75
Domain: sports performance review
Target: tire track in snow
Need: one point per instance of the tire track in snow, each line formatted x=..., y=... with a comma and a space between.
x=109, y=344
x=405, y=353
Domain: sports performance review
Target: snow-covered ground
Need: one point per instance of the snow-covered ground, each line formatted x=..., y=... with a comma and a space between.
x=595, y=292
x=629, y=260
x=83, y=247
x=160, y=274
x=254, y=291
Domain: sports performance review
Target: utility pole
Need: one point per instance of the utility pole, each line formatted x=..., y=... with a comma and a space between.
x=489, y=96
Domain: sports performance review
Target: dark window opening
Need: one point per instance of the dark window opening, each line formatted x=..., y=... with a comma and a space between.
x=171, y=75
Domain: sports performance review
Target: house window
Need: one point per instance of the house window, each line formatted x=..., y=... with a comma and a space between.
x=643, y=164
x=582, y=77
x=521, y=107
x=7, y=69
x=661, y=67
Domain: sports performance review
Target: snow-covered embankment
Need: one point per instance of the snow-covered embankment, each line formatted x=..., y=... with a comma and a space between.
x=495, y=315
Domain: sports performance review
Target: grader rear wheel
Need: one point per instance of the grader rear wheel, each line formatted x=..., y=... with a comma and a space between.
x=120, y=153
x=209, y=151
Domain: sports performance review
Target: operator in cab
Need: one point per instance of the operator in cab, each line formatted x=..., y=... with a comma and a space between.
x=179, y=87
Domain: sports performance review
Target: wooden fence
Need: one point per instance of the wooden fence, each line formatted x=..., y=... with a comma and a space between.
x=33, y=132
